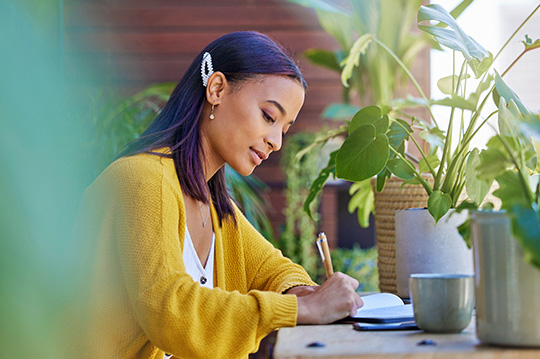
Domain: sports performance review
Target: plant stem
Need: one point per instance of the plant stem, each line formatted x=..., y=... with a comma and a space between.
x=424, y=183
x=516, y=60
x=458, y=187
x=515, y=32
x=417, y=146
x=482, y=124
x=462, y=126
x=322, y=140
x=508, y=41
x=409, y=74
x=448, y=141
x=468, y=137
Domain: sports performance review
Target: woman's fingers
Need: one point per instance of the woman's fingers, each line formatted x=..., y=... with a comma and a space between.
x=334, y=299
x=358, y=303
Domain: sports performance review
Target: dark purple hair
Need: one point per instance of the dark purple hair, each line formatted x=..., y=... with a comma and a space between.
x=239, y=56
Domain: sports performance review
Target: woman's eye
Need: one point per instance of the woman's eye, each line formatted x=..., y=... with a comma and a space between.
x=268, y=117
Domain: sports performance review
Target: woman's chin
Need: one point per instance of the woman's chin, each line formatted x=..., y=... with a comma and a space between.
x=247, y=172
x=244, y=170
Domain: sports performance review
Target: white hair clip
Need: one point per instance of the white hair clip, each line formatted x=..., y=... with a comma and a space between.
x=206, y=68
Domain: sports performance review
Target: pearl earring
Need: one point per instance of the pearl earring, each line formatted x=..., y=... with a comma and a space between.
x=212, y=112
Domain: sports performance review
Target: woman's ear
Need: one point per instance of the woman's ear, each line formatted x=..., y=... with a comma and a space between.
x=215, y=88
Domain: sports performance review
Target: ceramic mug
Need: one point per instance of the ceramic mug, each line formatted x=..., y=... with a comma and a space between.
x=442, y=303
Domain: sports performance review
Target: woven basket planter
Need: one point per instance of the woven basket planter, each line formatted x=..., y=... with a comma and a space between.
x=392, y=198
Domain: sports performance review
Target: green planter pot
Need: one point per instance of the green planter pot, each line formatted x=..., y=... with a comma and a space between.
x=507, y=288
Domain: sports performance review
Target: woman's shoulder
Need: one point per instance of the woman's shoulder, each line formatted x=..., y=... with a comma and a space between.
x=157, y=160
x=139, y=168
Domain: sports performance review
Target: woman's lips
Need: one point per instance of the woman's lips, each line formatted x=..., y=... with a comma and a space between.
x=258, y=157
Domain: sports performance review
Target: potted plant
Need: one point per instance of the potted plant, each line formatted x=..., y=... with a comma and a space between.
x=376, y=136
x=375, y=78
x=507, y=243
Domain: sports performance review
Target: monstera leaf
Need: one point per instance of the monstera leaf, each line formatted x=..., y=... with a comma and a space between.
x=454, y=37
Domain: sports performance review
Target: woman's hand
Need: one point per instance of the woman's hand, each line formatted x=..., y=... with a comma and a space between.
x=333, y=300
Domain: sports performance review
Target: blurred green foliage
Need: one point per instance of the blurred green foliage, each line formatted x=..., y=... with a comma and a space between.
x=43, y=175
x=360, y=264
x=297, y=240
x=116, y=120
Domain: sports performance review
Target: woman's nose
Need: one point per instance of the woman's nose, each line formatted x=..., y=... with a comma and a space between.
x=274, y=140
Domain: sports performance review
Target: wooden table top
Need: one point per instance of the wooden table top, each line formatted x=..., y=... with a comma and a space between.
x=341, y=341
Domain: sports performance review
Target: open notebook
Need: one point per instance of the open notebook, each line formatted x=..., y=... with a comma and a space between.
x=382, y=308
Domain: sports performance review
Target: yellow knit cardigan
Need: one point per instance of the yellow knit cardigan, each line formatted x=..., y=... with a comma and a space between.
x=143, y=303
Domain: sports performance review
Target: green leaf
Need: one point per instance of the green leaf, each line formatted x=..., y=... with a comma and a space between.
x=381, y=126
x=529, y=44
x=362, y=200
x=506, y=92
x=362, y=155
x=460, y=8
x=438, y=204
x=511, y=191
x=413, y=181
x=530, y=126
x=319, y=182
x=409, y=102
x=493, y=160
x=509, y=118
x=353, y=59
x=526, y=228
x=433, y=135
x=367, y=115
x=445, y=84
x=321, y=5
x=401, y=168
x=455, y=101
x=479, y=67
x=337, y=24
x=482, y=86
x=477, y=188
x=488, y=206
x=381, y=179
x=512, y=125
x=323, y=58
x=454, y=38
x=464, y=230
x=398, y=135
x=340, y=111
x=496, y=97
x=432, y=160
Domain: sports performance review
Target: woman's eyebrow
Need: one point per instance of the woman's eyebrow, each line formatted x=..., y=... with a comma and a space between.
x=278, y=105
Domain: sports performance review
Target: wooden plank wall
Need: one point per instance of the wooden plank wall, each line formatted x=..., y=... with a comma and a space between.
x=139, y=42
x=134, y=43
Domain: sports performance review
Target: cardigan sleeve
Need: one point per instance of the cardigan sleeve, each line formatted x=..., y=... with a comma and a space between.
x=176, y=314
x=267, y=268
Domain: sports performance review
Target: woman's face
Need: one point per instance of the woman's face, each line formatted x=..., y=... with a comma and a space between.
x=249, y=122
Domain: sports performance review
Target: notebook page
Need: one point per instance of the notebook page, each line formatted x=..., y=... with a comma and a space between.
x=380, y=300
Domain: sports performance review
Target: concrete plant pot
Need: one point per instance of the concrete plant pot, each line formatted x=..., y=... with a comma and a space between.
x=422, y=247
x=507, y=288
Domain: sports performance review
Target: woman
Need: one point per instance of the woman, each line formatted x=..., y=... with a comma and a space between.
x=179, y=268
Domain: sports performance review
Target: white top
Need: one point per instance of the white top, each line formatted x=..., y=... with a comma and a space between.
x=203, y=275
